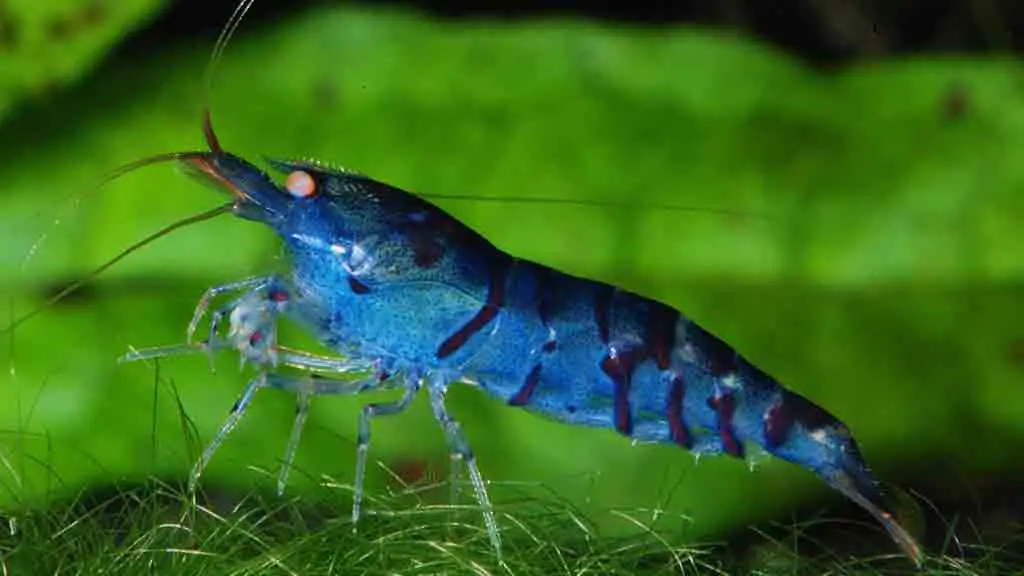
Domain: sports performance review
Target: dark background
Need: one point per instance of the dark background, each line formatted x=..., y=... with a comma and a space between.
x=822, y=32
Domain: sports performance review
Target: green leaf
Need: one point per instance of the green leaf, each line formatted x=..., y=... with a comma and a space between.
x=47, y=45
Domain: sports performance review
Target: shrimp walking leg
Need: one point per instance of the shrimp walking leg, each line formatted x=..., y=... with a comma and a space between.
x=301, y=411
x=237, y=411
x=253, y=324
x=285, y=357
x=303, y=386
x=460, y=450
x=211, y=293
x=412, y=386
x=335, y=365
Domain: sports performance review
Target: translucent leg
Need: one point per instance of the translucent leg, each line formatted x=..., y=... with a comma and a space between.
x=315, y=362
x=286, y=357
x=461, y=451
x=301, y=410
x=253, y=323
x=253, y=317
x=412, y=386
x=168, y=351
x=253, y=329
x=211, y=293
x=237, y=411
x=304, y=387
x=262, y=352
x=216, y=318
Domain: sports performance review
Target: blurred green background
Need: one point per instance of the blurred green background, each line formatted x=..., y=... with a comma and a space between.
x=851, y=228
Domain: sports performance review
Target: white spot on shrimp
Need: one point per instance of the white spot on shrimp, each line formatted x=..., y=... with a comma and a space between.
x=361, y=259
x=689, y=355
x=311, y=241
x=820, y=436
x=731, y=381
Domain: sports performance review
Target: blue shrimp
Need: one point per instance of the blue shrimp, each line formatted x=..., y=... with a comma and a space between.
x=409, y=296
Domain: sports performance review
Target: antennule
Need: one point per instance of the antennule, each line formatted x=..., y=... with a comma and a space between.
x=76, y=198
x=123, y=254
x=218, y=51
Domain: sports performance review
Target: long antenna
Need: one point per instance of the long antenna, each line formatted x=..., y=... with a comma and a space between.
x=124, y=253
x=597, y=203
x=74, y=199
x=211, y=140
x=225, y=36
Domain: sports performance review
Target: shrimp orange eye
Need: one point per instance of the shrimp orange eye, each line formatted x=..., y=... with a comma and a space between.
x=300, y=184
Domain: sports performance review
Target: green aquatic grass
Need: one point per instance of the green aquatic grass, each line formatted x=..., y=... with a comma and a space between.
x=159, y=529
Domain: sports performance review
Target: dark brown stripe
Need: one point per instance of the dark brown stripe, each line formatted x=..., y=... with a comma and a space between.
x=677, y=427
x=426, y=249
x=602, y=307
x=495, y=300
x=425, y=236
x=623, y=418
x=777, y=424
x=788, y=410
x=459, y=339
x=545, y=279
x=725, y=406
x=661, y=334
x=620, y=369
x=356, y=286
x=522, y=397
